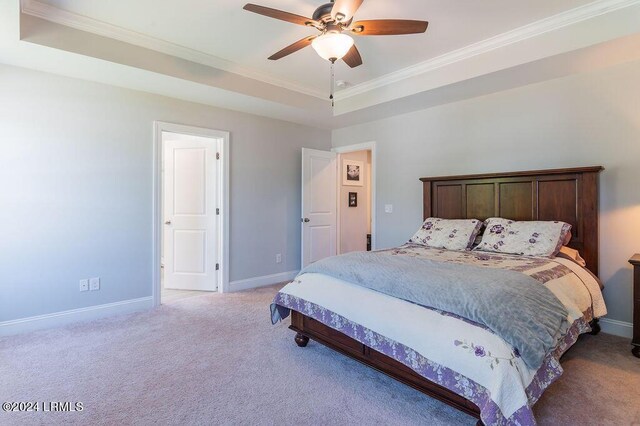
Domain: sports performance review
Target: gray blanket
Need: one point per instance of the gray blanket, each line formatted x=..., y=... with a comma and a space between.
x=513, y=305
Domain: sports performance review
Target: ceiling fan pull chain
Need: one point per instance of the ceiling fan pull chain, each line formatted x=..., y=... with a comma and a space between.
x=333, y=78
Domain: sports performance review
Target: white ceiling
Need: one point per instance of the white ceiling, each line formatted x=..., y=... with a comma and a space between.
x=221, y=28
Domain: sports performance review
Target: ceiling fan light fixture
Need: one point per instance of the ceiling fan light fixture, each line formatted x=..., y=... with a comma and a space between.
x=332, y=46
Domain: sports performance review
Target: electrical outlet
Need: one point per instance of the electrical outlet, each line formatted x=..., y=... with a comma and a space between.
x=84, y=285
x=94, y=284
x=388, y=208
x=278, y=258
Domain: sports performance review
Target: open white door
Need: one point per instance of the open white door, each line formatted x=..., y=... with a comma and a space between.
x=190, y=227
x=319, y=204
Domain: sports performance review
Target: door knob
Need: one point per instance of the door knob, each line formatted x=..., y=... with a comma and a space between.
x=168, y=222
x=305, y=220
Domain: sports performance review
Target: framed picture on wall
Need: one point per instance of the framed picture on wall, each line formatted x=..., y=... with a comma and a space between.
x=352, y=173
x=353, y=199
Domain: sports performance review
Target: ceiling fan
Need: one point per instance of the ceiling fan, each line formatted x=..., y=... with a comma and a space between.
x=334, y=20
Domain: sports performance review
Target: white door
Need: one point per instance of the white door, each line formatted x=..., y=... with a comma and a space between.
x=319, y=204
x=190, y=225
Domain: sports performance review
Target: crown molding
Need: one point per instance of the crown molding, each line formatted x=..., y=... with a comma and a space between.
x=83, y=23
x=534, y=29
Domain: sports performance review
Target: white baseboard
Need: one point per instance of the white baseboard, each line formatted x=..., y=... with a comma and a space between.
x=56, y=319
x=617, y=328
x=262, y=281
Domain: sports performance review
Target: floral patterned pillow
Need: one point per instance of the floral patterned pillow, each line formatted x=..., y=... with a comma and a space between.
x=528, y=238
x=450, y=234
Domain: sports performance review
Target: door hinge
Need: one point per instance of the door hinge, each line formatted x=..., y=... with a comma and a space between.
x=217, y=266
x=217, y=155
x=217, y=211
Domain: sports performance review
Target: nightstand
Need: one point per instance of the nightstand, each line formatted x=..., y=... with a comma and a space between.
x=635, y=261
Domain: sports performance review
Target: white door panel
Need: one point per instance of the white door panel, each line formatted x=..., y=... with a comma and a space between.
x=319, y=197
x=320, y=242
x=190, y=196
x=188, y=251
x=190, y=230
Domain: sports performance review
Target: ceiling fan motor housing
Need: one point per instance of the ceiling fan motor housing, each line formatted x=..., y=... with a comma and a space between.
x=323, y=14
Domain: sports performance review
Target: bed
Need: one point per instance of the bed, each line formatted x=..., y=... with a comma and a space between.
x=445, y=356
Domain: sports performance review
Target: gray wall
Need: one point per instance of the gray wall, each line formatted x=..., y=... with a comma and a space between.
x=76, y=188
x=580, y=120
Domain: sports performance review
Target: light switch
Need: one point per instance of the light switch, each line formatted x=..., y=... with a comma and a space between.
x=388, y=208
x=94, y=284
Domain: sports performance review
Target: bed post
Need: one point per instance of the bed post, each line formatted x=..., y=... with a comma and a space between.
x=297, y=324
x=426, y=199
x=301, y=340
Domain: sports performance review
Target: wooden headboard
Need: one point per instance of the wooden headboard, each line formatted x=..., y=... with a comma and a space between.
x=569, y=195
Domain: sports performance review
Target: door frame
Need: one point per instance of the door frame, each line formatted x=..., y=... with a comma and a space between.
x=223, y=201
x=364, y=146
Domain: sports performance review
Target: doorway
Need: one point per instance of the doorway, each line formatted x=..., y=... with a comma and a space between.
x=337, y=187
x=190, y=212
x=354, y=201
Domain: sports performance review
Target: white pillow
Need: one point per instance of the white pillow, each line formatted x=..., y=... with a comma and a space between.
x=528, y=238
x=450, y=234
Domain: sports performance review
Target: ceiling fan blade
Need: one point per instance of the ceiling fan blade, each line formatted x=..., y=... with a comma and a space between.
x=388, y=27
x=343, y=10
x=353, y=58
x=300, y=44
x=278, y=14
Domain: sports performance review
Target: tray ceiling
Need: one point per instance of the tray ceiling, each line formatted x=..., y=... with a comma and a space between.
x=221, y=29
x=213, y=52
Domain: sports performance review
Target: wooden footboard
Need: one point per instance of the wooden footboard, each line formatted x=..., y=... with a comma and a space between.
x=309, y=328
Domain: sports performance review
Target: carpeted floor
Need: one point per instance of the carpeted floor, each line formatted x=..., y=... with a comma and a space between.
x=216, y=359
x=170, y=295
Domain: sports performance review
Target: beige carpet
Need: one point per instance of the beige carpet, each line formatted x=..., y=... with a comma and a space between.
x=216, y=359
x=169, y=295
